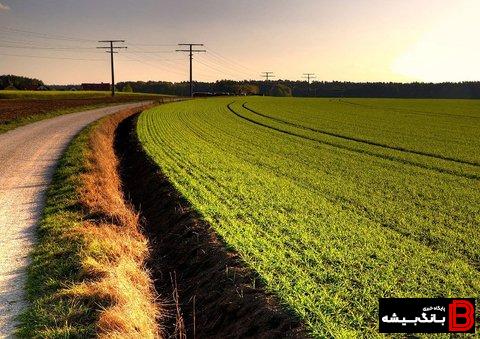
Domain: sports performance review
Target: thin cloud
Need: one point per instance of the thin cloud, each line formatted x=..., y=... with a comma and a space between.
x=4, y=7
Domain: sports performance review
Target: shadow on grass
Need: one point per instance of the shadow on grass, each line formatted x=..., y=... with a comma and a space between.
x=212, y=293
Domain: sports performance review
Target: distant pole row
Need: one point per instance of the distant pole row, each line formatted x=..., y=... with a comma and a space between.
x=112, y=49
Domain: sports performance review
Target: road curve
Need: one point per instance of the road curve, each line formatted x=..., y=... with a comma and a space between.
x=28, y=156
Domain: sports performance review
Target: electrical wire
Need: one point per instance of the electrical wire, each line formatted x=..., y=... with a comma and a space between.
x=43, y=35
x=153, y=65
x=222, y=68
x=153, y=45
x=214, y=61
x=219, y=56
x=215, y=69
x=47, y=57
x=154, y=58
x=49, y=48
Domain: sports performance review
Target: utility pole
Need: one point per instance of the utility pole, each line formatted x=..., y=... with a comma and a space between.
x=112, y=49
x=267, y=75
x=190, y=51
x=309, y=76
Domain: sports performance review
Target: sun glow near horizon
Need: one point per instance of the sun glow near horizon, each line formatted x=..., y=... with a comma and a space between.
x=447, y=51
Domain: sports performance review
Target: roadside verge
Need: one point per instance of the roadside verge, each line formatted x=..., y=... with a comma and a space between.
x=87, y=274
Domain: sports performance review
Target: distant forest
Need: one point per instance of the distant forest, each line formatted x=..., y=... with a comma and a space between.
x=18, y=82
x=448, y=90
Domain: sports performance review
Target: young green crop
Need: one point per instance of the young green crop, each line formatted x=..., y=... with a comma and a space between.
x=334, y=203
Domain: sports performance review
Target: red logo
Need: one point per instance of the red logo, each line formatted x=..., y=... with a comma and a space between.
x=461, y=316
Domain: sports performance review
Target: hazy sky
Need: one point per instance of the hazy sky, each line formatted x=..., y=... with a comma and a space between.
x=358, y=40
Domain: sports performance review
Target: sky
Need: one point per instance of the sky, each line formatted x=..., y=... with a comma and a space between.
x=344, y=40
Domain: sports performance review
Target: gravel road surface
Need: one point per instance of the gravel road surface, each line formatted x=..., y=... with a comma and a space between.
x=28, y=156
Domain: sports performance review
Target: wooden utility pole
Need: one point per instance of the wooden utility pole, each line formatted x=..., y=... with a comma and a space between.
x=190, y=51
x=267, y=75
x=112, y=49
x=309, y=76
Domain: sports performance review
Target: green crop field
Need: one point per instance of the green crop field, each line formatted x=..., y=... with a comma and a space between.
x=335, y=203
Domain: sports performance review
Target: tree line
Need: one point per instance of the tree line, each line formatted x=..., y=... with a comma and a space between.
x=451, y=90
x=447, y=90
x=19, y=82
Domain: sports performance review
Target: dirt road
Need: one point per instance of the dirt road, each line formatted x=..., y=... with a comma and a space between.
x=28, y=156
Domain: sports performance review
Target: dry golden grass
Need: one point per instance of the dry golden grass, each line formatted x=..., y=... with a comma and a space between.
x=115, y=250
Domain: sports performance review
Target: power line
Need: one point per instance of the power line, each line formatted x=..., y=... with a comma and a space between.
x=43, y=35
x=169, y=67
x=154, y=45
x=215, y=63
x=23, y=42
x=219, y=56
x=30, y=40
x=34, y=34
x=163, y=68
x=112, y=49
x=46, y=57
x=48, y=48
x=152, y=52
x=267, y=75
x=221, y=70
x=190, y=50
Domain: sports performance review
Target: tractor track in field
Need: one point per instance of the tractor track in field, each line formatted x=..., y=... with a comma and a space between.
x=214, y=294
x=356, y=150
x=365, y=141
x=346, y=203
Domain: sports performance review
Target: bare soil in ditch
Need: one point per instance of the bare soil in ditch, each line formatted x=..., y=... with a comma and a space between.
x=206, y=289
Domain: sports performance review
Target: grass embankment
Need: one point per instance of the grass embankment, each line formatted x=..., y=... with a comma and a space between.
x=87, y=274
x=333, y=203
x=18, y=108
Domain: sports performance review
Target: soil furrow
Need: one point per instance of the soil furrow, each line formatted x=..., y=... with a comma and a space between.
x=211, y=292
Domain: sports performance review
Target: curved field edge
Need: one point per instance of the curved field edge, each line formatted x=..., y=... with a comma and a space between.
x=214, y=294
x=42, y=116
x=87, y=276
x=29, y=118
x=328, y=255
